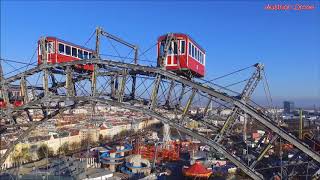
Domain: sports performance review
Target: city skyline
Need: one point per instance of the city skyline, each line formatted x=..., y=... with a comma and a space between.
x=234, y=34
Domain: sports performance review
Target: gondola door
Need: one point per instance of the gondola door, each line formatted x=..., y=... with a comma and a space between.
x=171, y=58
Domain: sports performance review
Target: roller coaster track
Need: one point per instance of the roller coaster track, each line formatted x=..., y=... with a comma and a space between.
x=160, y=94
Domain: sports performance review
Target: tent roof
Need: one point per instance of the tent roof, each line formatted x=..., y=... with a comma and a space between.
x=196, y=169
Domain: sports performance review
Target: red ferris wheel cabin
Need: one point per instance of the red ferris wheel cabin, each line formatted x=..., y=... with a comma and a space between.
x=184, y=56
x=60, y=51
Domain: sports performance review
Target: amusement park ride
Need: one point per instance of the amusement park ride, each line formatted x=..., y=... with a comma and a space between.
x=181, y=54
x=74, y=76
x=59, y=51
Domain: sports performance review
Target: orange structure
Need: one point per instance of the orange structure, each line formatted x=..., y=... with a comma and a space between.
x=197, y=170
x=287, y=147
x=169, y=153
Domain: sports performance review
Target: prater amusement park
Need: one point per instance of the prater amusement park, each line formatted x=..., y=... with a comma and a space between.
x=176, y=92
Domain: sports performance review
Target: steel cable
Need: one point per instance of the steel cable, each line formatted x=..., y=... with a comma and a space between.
x=230, y=73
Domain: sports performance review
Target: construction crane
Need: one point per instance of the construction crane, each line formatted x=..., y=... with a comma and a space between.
x=161, y=61
x=244, y=97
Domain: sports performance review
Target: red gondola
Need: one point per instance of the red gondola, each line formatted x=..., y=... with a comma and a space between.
x=3, y=104
x=17, y=102
x=59, y=51
x=14, y=98
x=184, y=56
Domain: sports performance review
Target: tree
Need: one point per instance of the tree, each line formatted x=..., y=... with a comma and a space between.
x=64, y=149
x=107, y=139
x=101, y=139
x=44, y=151
x=21, y=153
x=74, y=146
x=88, y=143
x=123, y=133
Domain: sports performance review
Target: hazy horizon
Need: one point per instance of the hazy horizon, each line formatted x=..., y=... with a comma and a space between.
x=307, y=102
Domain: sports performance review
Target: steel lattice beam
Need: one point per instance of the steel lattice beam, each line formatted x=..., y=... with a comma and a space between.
x=147, y=111
x=114, y=70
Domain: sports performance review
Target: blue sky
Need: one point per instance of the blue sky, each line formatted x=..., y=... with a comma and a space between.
x=235, y=34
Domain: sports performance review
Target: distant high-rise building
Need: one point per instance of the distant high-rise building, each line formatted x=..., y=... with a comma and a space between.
x=288, y=107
